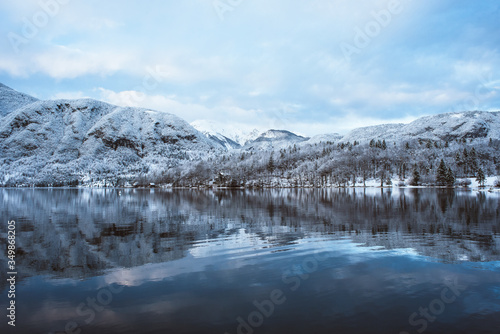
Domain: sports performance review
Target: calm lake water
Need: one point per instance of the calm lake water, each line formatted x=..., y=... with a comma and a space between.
x=270, y=261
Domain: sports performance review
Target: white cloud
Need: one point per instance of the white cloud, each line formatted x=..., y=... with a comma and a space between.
x=308, y=128
x=342, y=124
x=63, y=62
x=186, y=110
x=266, y=57
x=100, y=23
x=13, y=66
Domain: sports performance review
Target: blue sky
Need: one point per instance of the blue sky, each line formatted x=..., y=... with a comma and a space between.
x=316, y=66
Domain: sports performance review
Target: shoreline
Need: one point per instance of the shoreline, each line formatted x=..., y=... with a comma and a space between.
x=487, y=188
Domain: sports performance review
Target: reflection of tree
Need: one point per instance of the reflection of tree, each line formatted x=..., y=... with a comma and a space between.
x=445, y=198
x=76, y=233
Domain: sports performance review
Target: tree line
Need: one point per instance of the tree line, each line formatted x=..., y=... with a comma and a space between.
x=342, y=164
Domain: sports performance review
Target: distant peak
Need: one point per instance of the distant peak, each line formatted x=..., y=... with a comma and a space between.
x=274, y=131
x=278, y=134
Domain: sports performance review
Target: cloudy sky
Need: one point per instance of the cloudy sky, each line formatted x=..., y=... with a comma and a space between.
x=315, y=66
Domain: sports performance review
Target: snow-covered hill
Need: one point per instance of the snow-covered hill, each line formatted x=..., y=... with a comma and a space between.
x=447, y=127
x=228, y=143
x=11, y=100
x=324, y=138
x=273, y=140
x=76, y=139
x=219, y=138
x=451, y=126
x=365, y=134
x=87, y=141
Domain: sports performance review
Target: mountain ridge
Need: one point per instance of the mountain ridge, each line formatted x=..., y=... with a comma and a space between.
x=11, y=100
x=71, y=140
x=445, y=126
x=85, y=141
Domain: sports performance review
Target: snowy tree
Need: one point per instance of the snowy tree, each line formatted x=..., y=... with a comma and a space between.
x=441, y=174
x=415, y=179
x=270, y=165
x=450, y=178
x=481, y=179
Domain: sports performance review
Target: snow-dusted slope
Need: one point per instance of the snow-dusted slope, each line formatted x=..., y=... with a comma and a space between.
x=67, y=139
x=449, y=126
x=224, y=141
x=144, y=132
x=52, y=130
x=11, y=100
x=274, y=139
x=365, y=134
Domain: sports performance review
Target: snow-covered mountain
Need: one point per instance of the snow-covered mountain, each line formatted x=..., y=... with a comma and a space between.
x=447, y=127
x=217, y=137
x=365, y=134
x=450, y=126
x=224, y=141
x=74, y=138
x=274, y=139
x=328, y=137
x=75, y=141
x=11, y=100
x=232, y=138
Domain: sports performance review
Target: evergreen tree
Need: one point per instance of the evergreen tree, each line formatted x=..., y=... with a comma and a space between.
x=450, y=178
x=473, y=168
x=270, y=164
x=480, y=177
x=441, y=175
x=472, y=153
x=465, y=160
x=415, y=179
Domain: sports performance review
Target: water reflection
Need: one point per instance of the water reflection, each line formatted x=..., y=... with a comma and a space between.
x=76, y=233
x=194, y=261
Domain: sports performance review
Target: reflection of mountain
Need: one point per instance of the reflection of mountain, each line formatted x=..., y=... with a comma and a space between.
x=75, y=233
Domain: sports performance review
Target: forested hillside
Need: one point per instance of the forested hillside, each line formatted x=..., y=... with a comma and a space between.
x=91, y=143
x=413, y=162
